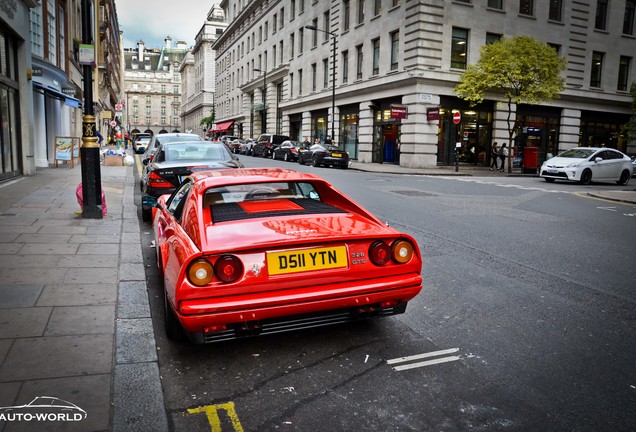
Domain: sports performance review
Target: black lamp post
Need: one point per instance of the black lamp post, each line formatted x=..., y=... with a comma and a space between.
x=264, y=110
x=333, y=77
x=89, y=152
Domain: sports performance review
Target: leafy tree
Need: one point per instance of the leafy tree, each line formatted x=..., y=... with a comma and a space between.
x=516, y=70
x=208, y=121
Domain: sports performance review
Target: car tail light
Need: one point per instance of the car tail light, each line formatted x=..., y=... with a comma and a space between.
x=155, y=180
x=228, y=268
x=402, y=251
x=200, y=272
x=380, y=253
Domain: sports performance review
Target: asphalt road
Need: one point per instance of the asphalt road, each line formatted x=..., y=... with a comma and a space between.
x=527, y=321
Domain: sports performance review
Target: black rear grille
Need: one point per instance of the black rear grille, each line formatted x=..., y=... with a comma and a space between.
x=226, y=212
x=297, y=322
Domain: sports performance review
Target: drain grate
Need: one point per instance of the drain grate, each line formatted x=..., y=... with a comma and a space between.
x=414, y=193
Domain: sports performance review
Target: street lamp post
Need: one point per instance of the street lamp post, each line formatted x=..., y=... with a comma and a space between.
x=264, y=110
x=333, y=77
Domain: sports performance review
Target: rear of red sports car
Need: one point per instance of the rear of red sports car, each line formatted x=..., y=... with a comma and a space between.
x=264, y=255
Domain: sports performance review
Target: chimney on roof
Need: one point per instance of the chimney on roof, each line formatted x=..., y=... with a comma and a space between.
x=168, y=40
x=140, y=51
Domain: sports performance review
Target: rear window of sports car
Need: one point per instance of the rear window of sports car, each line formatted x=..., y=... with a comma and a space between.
x=262, y=200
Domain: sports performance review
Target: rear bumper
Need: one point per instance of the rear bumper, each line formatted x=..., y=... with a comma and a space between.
x=210, y=320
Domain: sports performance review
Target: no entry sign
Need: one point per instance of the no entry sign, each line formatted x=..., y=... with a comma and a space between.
x=457, y=117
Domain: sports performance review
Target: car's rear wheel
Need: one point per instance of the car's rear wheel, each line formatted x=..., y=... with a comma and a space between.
x=300, y=160
x=174, y=331
x=624, y=179
x=586, y=177
x=549, y=180
x=314, y=162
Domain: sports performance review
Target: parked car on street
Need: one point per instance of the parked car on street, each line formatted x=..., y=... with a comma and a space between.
x=633, y=166
x=140, y=144
x=287, y=151
x=175, y=161
x=164, y=138
x=267, y=143
x=246, y=147
x=256, y=251
x=235, y=145
x=587, y=164
x=324, y=154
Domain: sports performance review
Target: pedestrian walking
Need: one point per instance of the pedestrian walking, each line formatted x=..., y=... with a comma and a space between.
x=494, y=156
x=503, y=154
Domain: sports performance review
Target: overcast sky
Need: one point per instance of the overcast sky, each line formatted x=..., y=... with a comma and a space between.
x=153, y=20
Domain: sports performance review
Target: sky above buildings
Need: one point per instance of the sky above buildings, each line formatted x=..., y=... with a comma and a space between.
x=153, y=20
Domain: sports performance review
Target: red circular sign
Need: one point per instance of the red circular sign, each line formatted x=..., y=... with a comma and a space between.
x=457, y=117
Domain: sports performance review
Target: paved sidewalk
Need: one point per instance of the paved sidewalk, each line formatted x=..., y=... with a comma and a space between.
x=74, y=315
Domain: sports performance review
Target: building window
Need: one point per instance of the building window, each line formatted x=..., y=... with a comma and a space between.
x=459, y=48
x=628, y=20
x=281, y=51
x=37, y=31
x=495, y=4
x=148, y=99
x=148, y=110
x=163, y=121
x=360, y=11
x=281, y=20
x=623, y=73
x=325, y=73
x=492, y=38
x=274, y=55
x=326, y=28
x=300, y=78
x=376, y=56
x=395, y=3
x=273, y=27
x=62, y=17
x=395, y=50
x=302, y=6
x=313, y=77
x=163, y=110
x=51, y=13
x=359, y=61
x=555, y=10
x=292, y=11
x=345, y=66
x=163, y=88
x=163, y=99
x=346, y=14
x=597, y=69
x=556, y=47
x=601, y=15
x=175, y=89
x=292, y=42
x=314, y=36
x=526, y=7
x=301, y=37
x=377, y=7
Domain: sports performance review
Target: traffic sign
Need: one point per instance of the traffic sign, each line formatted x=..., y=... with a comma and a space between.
x=457, y=117
x=113, y=123
x=118, y=107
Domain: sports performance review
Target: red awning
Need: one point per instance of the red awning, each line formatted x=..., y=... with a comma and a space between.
x=222, y=127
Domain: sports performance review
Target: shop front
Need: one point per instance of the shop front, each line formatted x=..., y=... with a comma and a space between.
x=387, y=120
x=319, y=124
x=464, y=132
x=349, y=123
x=295, y=126
x=537, y=127
x=603, y=130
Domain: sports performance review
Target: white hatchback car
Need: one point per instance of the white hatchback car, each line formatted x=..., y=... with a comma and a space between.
x=584, y=164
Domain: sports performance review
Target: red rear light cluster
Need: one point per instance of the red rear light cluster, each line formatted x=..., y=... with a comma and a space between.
x=227, y=269
x=400, y=251
x=156, y=181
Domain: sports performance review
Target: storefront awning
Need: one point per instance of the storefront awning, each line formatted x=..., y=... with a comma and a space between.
x=68, y=100
x=222, y=127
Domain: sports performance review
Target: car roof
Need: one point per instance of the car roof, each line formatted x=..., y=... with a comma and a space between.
x=222, y=177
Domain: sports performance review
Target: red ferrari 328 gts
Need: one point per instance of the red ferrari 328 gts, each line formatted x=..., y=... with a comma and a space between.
x=245, y=252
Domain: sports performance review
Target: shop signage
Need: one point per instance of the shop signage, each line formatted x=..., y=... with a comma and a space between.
x=68, y=91
x=457, y=117
x=399, y=111
x=36, y=71
x=432, y=114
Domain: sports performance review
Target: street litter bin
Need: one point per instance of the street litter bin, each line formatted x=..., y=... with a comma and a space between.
x=530, y=160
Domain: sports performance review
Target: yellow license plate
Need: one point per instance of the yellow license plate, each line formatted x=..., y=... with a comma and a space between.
x=306, y=260
x=336, y=154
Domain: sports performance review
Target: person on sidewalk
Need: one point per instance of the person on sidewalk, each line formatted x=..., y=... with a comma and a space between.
x=503, y=154
x=494, y=156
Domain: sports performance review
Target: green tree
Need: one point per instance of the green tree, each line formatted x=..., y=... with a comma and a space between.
x=516, y=70
x=208, y=121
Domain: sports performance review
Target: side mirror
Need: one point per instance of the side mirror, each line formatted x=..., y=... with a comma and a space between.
x=598, y=159
x=150, y=201
x=145, y=161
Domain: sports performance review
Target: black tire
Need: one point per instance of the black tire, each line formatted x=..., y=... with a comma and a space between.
x=273, y=156
x=146, y=214
x=549, y=180
x=300, y=160
x=586, y=177
x=174, y=331
x=624, y=179
x=314, y=162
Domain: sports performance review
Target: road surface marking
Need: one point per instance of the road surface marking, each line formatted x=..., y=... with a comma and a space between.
x=607, y=208
x=423, y=356
x=211, y=412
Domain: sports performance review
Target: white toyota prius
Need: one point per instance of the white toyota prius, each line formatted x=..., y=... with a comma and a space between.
x=587, y=164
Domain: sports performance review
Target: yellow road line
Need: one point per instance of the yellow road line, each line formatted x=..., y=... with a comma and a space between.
x=585, y=195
